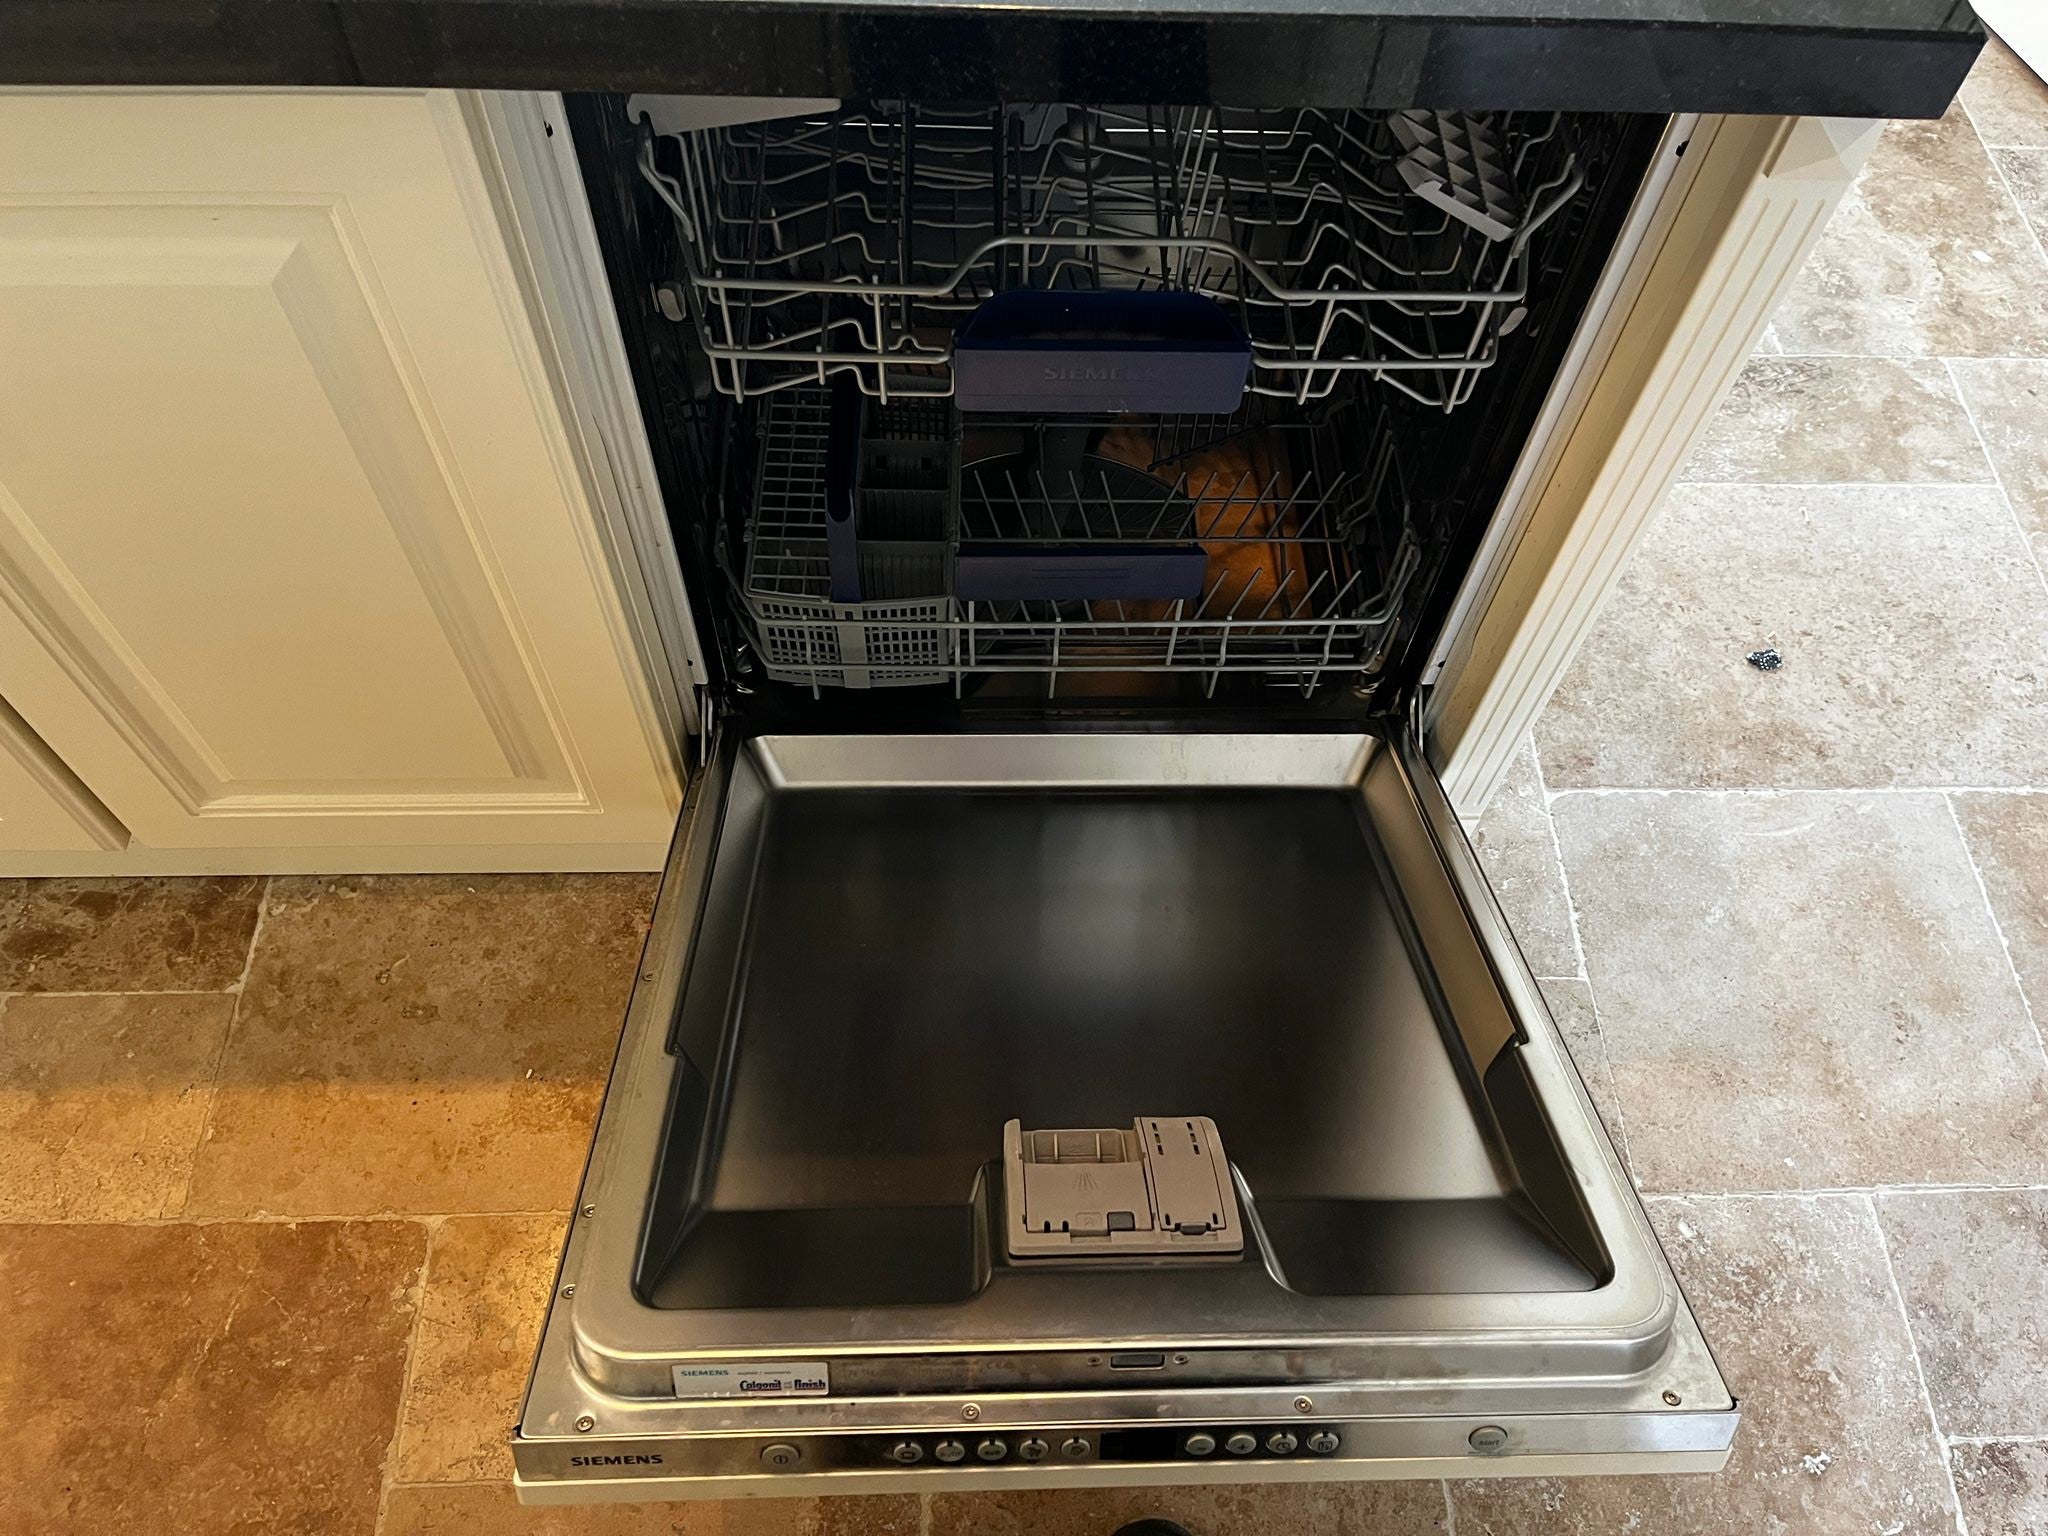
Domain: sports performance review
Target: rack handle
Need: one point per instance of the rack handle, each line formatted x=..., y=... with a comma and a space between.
x=1087, y=351
x=846, y=422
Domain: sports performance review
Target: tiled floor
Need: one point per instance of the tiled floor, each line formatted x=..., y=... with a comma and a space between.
x=283, y=1165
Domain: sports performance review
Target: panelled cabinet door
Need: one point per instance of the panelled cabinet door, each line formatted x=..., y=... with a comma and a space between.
x=43, y=808
x=291, y=551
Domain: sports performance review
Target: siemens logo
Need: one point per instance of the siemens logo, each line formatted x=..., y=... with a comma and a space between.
x=615, y=1461
x=1079, y=374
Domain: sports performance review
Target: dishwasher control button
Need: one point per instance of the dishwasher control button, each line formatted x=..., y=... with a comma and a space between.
x=1322, y=1442
x=1200, y=1443
x=782, y=1456
x=1282, y=1442
x=1074, y=1448
x=1033, y=1449
x=992, y=1449
x=909, y=1452
x=950, y=1451
x=1243, y=1443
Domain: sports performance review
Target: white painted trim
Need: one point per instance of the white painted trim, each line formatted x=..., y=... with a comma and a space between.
x=1727, y=238
x=523, y=136
x=45, y=771
x=1663, y=188
x=339, y=859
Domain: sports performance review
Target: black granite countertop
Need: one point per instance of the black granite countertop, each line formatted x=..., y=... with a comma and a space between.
x=1876, y=58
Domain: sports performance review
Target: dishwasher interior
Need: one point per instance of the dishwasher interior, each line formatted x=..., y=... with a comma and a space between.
x=1076, y=1043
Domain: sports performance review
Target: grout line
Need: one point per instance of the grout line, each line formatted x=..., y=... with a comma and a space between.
x=2011, y=511
x=412, y=1349
x=1919, y=1371
x=2020, y=212
x=1450, y=1508
x=226, y=991
x=2011, y=967
x=1571, y=910
x=1841, y=1191
x=220, y=1057
x=560, y=1213
x=255, y=935
x=1983, y=484
x=1898, y=357
x=2012, y=196
x=1618, y=1132
x=924, y=1513
x=1784, y=790
x=1998, y=1439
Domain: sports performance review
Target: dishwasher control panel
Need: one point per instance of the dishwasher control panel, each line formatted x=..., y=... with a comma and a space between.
x=1150, y=1443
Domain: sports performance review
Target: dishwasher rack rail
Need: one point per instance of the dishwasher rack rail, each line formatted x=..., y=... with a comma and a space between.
x=1394, y=246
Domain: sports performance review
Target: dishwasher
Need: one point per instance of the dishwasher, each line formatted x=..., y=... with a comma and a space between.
x=1075, y=1043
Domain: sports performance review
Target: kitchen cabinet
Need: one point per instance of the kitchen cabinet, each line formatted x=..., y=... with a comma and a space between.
x=43, y=807
x=298, y=565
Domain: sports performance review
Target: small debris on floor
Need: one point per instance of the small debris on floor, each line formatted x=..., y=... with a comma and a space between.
x=1819, y=1463
x=1765, y=660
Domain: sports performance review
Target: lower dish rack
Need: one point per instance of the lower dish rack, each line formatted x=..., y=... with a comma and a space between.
x=1292, y=527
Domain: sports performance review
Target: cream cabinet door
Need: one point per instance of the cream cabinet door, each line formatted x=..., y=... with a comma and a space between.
x=43, y=807
x=292, y=553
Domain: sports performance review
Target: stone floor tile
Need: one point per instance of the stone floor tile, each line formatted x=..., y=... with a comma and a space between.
x=1806, y=420
x=1571, y=1005
x=488, y=1282
x=2009, y=399
x=422, y=1045
x=2008, y=837
x=481, y=1509
x=1834, y=1440
x=1802, y=991
x=2003, y=1488
x=128, y=935
x=2006, y=100
x=1926, y=257
x=202, y=1379
x=1912, y=626
x=2026, y=172
x=1520, y=859
x=1973, y=1268
x=101, y=1102
x=1261, y=1509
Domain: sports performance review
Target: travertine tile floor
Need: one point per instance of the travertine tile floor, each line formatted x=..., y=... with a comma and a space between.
x=283, y=1164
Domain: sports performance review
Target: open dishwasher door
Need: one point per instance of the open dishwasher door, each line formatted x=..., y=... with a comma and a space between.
x=884, y=969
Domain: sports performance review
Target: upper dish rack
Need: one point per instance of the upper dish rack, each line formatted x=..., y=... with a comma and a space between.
x=860, y=241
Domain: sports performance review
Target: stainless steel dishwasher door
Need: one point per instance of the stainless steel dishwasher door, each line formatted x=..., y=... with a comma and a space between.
x=788, y=1269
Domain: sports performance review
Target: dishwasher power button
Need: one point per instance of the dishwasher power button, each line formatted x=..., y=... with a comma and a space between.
x=782, y=1456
